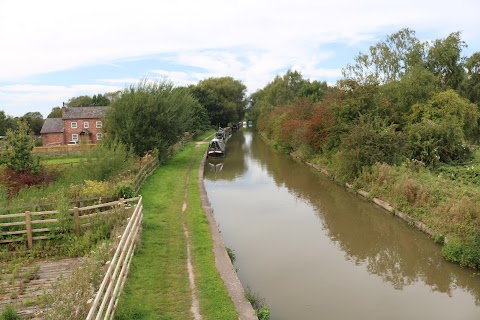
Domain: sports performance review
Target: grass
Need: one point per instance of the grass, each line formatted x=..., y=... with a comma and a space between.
x=158, y=285
x=58, y=161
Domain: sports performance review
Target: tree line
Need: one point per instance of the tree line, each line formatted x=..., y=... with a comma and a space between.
x=404, y=99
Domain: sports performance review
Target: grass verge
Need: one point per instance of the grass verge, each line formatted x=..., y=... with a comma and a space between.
x=158, y=285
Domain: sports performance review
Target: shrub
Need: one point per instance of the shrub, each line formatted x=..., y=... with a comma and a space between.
x=466, y=252
x=13, y=181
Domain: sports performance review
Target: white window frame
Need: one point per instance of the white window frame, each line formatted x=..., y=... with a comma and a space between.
x=99, y=136
x=74, y=137
x=74, y=125
x=86, y=124
x=99, y=124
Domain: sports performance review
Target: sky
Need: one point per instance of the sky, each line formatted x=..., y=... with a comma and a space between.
x=51, y=51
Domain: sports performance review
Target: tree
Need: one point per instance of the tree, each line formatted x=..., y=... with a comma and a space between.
x=6, y=122
x=387, y=60
x=470, y=86
x=100, y=100
x=285, y=90
x=152, y=116
x=444, y=60
x=18, y=154
x=35, y=121
x=55, y=113
x=80, y=101
x=226, y=97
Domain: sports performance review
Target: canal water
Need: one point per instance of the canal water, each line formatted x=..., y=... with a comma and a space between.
x=312, y=250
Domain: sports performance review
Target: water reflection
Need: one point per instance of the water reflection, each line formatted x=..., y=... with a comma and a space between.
x=309, y=247
x=392, y=250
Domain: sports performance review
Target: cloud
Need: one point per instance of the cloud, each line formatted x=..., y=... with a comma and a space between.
x=25, y=98
x=191, y=40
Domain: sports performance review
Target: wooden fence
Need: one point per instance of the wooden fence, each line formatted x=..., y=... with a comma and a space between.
x=31, y=226
x=106, y=299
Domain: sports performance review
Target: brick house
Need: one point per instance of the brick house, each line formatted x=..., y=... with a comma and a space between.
x=83, y=124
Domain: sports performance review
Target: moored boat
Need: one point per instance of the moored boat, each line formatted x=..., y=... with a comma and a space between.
x=216, y=148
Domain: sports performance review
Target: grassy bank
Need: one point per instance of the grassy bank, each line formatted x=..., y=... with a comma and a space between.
x=447, y=200
x=158, y=285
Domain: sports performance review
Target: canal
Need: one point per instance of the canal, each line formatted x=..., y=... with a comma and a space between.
x=313, y=250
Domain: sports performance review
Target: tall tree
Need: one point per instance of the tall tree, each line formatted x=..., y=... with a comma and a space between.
x=387, y=60
x=231, y=95
x=444, y=60
x=470, y=86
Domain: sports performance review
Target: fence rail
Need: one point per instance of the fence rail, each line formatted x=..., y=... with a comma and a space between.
x=106, y=300
x=22, y=227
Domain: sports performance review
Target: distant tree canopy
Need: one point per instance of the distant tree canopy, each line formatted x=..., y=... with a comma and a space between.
x=284, y=90
x=224, y=99
x=96, y=100
x=6, y=122
x=35, y=121
x=154, y=115
x=55, y=113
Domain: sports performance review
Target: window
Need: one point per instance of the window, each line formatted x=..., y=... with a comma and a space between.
x=99, y=136
x=85, y=125
x=74, y=136
x=99, y=124
x=74, y=125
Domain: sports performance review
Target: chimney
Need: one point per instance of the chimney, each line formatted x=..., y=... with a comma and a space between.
x=63, y=109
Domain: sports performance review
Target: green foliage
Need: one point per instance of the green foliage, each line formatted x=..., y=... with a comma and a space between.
x=223, y=98
x=445, y=61
x=470, y=86
x=107, y=160
x=9, y=313
x=151, y=116
x=80, y=101
x=365, y=144
x=124, y=190
x=6, y=122
x=231, y=254
x=55, y=113
x=466, y=252
x=261, y=309
x=100, y=100
x=387, y=60
x=18, y=155
x=433, y=143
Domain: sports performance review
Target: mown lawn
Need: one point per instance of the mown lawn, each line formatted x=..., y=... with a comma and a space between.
x=158, y=285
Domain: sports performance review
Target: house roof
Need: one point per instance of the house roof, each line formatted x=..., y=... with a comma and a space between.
x=84, y=112
x=52, y=125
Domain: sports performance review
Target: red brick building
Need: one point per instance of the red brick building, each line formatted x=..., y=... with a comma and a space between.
x=83, y=124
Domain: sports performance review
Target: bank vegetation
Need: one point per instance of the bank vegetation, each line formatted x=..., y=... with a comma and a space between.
x=403, y=124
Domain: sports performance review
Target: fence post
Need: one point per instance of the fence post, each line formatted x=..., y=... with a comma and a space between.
x=122, y=206
x=28, y=223
x=76, y=220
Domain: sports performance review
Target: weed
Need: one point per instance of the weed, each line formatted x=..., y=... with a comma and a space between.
x=261, y=309
x=9, y=313
x=231, y=254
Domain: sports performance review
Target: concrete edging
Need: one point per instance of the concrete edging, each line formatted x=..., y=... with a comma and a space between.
x=222, y=260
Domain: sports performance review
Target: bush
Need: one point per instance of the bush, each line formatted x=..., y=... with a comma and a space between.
x=466, y=252
x=435, y=142
x=365, y=145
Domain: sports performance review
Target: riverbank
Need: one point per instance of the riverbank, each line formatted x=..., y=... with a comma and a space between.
x=176, y=233
x=434, y=203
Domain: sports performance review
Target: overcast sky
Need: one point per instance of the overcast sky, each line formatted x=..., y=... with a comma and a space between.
x=51, y=51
